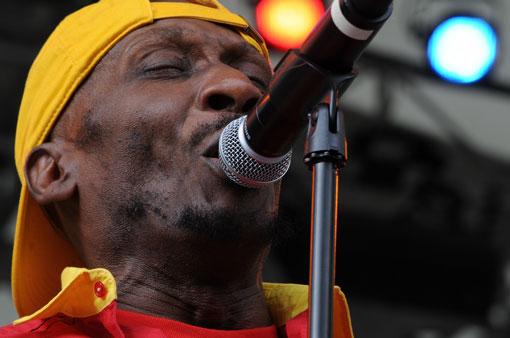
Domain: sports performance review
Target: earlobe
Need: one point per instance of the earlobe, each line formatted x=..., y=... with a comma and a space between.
x=48, y=178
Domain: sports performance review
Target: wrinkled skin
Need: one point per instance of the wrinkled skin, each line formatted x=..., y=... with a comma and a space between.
x=130, y=174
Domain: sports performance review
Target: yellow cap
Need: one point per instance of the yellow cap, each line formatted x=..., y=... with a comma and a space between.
x=66, y=59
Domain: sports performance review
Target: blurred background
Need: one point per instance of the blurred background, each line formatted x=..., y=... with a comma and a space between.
x=423, y=228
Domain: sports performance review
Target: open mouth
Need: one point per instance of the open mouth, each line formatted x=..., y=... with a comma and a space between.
x=211, y=157
x=212, y=150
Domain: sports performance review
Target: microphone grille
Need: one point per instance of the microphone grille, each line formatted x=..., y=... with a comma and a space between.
x=243, y=168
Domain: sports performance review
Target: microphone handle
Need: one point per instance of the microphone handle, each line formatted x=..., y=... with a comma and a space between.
x=371, y=8
x=344, y=32
x=335, y=44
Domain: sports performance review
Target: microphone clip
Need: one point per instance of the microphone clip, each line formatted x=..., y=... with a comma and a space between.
x=325, y=137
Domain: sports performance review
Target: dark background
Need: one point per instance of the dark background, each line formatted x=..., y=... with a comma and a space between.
x=423, y=234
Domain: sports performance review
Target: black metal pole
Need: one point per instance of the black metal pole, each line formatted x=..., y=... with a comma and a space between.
x=325, y=152
x=323, y=249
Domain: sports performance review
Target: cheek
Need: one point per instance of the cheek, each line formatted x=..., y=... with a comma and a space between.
x=148, y=124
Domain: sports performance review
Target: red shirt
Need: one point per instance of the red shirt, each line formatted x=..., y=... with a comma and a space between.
x=115, y=323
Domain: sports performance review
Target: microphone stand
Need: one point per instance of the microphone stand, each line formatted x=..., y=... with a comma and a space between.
x=325, y=153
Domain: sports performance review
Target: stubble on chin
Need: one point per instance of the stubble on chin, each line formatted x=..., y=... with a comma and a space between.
x=226, y=225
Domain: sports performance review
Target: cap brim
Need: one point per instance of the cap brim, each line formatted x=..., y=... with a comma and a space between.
x=39, y=256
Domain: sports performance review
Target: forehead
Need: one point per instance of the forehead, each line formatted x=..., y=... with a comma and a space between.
x=186, y=34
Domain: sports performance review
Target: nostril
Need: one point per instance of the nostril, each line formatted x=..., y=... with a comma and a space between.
x=221, y=102
x=249, y=105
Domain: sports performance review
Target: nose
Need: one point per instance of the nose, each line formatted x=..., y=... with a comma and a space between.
x=227, y=89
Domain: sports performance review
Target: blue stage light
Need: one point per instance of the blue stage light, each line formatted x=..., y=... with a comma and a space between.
x=462, y=49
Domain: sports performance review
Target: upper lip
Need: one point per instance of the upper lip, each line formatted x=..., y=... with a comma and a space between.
x=212, y=147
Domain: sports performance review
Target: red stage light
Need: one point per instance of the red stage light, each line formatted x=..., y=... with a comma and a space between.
x=286, y=23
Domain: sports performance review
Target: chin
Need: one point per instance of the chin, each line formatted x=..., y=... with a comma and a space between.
x=227, y=224
x=218, y=191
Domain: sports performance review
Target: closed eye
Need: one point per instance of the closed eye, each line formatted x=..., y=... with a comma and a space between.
x=169, y=71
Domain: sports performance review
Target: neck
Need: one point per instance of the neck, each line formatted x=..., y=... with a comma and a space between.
x=217, y=286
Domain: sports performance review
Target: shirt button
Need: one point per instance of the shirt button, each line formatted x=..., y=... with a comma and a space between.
x=100, y=289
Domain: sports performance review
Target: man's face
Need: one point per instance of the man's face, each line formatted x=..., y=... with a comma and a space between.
x=148, y=137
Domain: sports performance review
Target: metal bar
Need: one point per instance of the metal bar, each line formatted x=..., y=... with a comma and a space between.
x=323, y=249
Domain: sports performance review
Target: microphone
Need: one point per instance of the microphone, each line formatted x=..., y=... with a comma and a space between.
x=255, y=150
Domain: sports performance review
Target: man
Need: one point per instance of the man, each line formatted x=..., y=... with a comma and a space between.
x=122, y=194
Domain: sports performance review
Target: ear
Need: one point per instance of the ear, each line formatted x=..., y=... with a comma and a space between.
x=49, y=178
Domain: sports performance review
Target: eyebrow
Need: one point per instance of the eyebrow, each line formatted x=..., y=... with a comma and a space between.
x=242, y=49
x=170, y=36
x=237, y=49
x=174, y=34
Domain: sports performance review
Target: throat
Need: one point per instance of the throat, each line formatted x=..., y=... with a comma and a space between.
x=219, y=290
x=234, y=311
x=205, y=307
